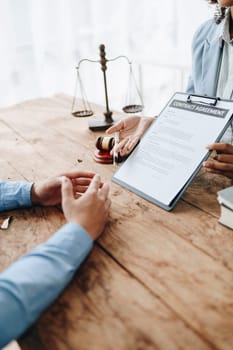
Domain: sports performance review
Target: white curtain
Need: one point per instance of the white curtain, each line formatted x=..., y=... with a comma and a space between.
x=41, y=42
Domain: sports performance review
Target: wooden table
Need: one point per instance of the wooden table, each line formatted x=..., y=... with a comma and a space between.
x=154, y=280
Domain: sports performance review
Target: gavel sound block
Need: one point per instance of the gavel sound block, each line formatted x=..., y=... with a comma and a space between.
x=104, y=145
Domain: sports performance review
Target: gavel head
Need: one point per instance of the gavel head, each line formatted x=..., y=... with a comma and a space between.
x=105, y=143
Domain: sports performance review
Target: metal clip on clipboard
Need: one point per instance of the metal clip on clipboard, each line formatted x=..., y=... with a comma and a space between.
x=191, y=99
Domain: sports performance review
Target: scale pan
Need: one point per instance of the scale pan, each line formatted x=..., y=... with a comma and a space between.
x=132, y=108
x=82, y=114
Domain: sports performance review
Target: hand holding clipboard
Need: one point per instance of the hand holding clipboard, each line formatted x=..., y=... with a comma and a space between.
x=173, y=149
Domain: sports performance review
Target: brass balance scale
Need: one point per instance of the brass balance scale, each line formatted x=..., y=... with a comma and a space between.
x=130, y=107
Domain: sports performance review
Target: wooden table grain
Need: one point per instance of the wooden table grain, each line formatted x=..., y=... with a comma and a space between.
x=154, y=280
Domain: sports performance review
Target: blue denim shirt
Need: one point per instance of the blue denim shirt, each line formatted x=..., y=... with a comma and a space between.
x=29, y=285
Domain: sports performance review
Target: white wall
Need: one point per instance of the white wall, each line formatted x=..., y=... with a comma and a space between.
x=42, y=41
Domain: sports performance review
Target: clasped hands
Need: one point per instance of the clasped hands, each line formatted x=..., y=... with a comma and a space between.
x=132, y=129
x=84, y=199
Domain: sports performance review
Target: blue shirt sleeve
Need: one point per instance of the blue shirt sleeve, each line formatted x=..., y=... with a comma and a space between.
x=15, y=195
x=29, y=285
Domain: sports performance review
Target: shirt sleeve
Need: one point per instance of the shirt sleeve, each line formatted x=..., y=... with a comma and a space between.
x=15, y=195
x=29, y=285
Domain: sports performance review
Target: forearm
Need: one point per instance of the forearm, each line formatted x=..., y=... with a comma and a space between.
x=34, y=281
x=14, y=195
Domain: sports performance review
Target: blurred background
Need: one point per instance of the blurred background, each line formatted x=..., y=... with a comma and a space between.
x=41, y=43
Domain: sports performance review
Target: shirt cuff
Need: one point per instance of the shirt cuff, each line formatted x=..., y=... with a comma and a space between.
x=26, y=194
x=15, y=195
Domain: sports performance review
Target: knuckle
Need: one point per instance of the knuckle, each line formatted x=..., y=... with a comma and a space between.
x=102, y=200
x=229, y=167
x=92, y=193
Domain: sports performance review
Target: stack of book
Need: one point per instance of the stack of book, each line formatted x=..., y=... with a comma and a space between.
x=225, y=198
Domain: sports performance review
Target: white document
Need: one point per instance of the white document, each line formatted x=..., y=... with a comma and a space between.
x=173, y=148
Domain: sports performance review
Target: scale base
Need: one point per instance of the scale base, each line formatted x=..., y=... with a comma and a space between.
x=98, y=124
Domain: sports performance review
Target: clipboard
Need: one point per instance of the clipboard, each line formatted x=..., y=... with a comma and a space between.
x=173, y=149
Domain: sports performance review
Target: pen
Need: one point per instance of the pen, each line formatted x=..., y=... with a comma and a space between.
x=115, y=153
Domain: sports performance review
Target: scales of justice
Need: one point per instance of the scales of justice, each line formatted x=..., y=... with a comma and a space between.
x=130, y=107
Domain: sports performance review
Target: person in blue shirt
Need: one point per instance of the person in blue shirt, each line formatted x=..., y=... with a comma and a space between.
x=212, y=72
x=33, y=282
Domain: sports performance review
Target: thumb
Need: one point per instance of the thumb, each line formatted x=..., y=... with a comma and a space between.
x=66, y=190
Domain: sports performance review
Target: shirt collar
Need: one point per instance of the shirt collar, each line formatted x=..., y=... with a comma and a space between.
x=225, y=35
